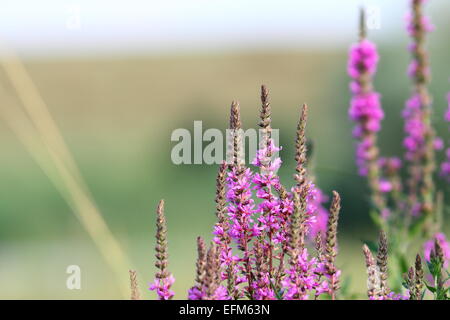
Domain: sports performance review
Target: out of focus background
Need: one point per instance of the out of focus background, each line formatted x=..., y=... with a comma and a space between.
x=119, y=76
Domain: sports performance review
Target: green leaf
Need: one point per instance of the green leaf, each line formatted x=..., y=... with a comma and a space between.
x=278, y=294
x=432, y=289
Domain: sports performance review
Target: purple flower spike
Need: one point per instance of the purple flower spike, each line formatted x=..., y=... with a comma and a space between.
x=365, y=107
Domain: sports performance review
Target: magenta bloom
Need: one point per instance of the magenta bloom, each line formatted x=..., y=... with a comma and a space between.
x=363, y=58
x=302, y=278
x=220, y=293
x=425, y=24
x=415, y=112
x=241, y=207
x=162, y=287
x=365, y=107
x=415, y=128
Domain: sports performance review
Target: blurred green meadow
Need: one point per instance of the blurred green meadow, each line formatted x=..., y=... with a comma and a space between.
x=117, y=115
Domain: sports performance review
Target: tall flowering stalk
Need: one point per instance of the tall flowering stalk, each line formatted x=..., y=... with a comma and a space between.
x=241, y=206
x=271, y=218
x=420, y=135
x=332, y=272
x=135, y=294
x=366, y=111
x=163, y=278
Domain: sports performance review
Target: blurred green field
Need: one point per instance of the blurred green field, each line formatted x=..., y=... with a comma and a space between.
x=117, y=116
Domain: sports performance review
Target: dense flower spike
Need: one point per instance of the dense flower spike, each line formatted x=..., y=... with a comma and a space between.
x=163, y=278
x=418, y=273
x=420, y=142
x=317, y=215
x=221, y=229
x=195, y=292
x=366, y=111
x=332, y=272
x=241, y=206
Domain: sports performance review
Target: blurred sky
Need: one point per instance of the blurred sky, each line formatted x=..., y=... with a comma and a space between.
x=87, y=27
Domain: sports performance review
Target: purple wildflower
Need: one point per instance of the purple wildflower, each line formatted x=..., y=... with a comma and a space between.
x=220, y=293
x=241, y=206
x=365, y=107
x=162, y=287
x=415, y=128
x=302, y=278
x=420, y=141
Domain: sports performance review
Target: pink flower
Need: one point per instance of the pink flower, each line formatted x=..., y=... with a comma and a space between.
x=162, y=287
x=384, y=186
x=196, y=293
x=365, y=107
x=302, y=278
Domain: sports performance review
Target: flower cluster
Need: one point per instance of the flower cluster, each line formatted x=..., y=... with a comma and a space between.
x=303, y=277
x=162, y=287
x=258, y=250
x=365, y=107
x=241, y=206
